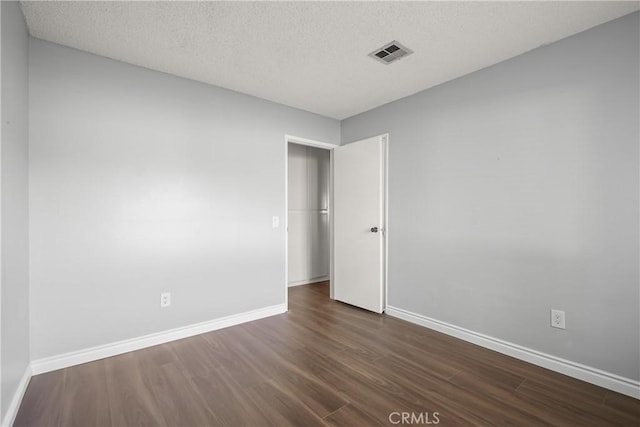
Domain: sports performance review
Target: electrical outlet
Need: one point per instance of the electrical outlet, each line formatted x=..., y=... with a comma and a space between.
x=557, y=319
x=165, y=299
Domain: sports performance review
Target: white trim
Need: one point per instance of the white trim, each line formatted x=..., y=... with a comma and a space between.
x=591, y=375
x=385, y=139
x=1, y=275
x=12, y=410
x=309, y=281
x=286, y=222
x=100, y=352
x=331, y=236
x=310, y=142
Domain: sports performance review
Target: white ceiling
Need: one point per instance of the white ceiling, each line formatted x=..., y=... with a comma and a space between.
x=313, y=55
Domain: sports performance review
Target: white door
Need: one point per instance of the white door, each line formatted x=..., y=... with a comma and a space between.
x=359, y=219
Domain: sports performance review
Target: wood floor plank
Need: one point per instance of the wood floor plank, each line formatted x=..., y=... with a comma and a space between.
x=42, y=400
x=420, y=361
x=574, y=400
x=322, y=363
x=370, y=347
x=380, y=395
x=280, y=408
x=352, y=415
x=85, y=398
x=321, y=399
x=131, y=401
x=623, y=404
x=177, y=396
x=507, y=406
x=225, y=398
x=413, y=393
x=622, y=409
x=251, y=363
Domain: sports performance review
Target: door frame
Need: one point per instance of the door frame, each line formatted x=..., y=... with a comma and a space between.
x=316, y=144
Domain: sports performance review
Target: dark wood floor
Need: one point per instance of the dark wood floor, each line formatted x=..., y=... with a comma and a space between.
x=323, y=363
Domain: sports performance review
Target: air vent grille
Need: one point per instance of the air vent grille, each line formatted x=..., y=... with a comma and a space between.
x=391, y=52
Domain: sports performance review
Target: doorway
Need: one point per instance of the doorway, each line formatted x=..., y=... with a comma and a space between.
x=308, y=214
x=308, y=199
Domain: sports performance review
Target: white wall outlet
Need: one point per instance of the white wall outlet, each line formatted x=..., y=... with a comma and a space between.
x=275, y=222
x=165, y=299
x=557, y=319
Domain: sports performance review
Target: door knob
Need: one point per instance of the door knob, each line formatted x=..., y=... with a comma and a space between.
x=374, y=229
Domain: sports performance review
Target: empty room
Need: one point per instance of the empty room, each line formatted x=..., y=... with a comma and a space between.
x=331, y=213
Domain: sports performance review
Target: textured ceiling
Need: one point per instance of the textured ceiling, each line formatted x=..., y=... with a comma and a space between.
x=313, y=55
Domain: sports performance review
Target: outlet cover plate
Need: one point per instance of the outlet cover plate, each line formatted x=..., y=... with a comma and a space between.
x=165, y=299
x=557, y=319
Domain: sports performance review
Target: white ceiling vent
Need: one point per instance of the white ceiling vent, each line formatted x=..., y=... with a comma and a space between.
x=391, y=52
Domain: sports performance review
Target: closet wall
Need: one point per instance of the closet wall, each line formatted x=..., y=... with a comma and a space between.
x=308, y=214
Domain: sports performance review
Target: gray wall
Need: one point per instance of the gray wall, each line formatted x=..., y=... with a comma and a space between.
x=141, y=183
x=514, y=190
x=14, y=213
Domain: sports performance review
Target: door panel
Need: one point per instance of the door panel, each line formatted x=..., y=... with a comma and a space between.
x=359, y=179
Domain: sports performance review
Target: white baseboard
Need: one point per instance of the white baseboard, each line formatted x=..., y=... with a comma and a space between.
x=576, y=370
x=12, y=411
x=100, y=352
x=308, y=281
